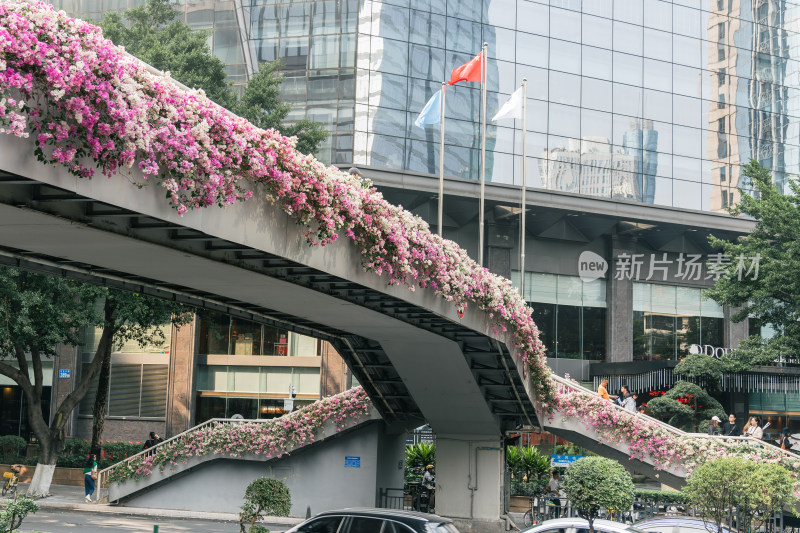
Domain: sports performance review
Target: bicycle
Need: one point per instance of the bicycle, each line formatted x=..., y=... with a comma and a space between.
x=537, y=515
x=10, y=486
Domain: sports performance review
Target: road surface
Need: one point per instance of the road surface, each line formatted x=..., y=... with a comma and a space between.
x=58, y=521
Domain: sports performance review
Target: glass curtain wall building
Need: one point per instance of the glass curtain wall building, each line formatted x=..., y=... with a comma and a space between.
x=646, y=100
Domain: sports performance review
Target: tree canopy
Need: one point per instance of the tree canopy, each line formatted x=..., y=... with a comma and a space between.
x=686, y=406
x=720, y=487
x=770, y=297
x=41, y=312
x=153, y=33
x=592, y=483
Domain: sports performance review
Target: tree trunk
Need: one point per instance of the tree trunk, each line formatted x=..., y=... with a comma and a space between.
x=101, y=403
x=49, y=450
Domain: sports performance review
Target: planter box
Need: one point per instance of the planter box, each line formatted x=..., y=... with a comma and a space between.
x=519, y=504
x=61, y=476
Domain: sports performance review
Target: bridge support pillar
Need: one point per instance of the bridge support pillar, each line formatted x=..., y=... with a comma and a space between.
x=470, y=482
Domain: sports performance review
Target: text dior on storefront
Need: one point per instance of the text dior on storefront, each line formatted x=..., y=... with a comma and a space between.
x=718, y=352
x=687, y=267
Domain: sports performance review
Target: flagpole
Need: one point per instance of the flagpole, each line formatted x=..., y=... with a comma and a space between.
x=441, y=159
x=483, y=150
x=524, y=187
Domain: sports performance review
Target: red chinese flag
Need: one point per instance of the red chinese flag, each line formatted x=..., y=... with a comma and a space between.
x=470, y=71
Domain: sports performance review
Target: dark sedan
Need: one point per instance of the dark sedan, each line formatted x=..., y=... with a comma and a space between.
x=375, y=521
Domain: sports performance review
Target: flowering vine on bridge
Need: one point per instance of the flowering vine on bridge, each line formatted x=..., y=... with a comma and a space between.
x=651, y=442
x=88, y=104
x=271, y=438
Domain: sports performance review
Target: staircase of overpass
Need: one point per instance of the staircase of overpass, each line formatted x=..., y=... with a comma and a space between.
x=419, y=357
x=218, y=439
x=639, y=442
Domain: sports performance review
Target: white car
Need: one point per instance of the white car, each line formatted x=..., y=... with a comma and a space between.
x=579, y=525
x=678, y=524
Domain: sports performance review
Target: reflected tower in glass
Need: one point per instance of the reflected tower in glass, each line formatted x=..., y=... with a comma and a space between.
x=651, y=101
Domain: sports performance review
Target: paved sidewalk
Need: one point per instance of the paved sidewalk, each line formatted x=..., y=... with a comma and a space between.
x=72, y=498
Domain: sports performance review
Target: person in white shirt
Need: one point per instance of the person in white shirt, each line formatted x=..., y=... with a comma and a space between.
x=629, y=403
x=753, y=429
x=554, y=492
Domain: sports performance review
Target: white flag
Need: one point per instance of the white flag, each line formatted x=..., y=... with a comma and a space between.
x=512, y=108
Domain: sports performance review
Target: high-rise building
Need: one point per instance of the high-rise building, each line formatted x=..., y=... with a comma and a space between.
x=640, y=116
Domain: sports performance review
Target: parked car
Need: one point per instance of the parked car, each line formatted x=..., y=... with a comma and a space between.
x=579, y=525
x=677, y=524
x=375, y=521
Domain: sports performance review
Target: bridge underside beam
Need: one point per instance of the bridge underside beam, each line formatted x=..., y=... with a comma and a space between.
x=371, y=355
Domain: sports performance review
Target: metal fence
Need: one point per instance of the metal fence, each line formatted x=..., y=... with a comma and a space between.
x=642, y=509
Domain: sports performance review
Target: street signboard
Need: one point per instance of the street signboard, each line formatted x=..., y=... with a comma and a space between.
x=352, y=461
x=561, y=461
x=64, y=373
x=288, y=405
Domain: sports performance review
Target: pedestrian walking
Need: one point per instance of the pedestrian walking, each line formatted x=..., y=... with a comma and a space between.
x=602, y=390
x=90, y=476
x=713, y=425
x=153, y=440
x=786, y=442
x=731, y=428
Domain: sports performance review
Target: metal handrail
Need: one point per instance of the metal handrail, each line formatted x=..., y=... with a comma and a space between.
x=577, y=387
x=729, y=441
x=102, y=475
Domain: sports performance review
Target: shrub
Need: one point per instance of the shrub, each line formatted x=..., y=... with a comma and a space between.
x=263, y=497
x=661, y=496
x=418, y=456
x=534, y=488
x=592, y=483
x=527, y=463
x=12, y=445
x=15, y=512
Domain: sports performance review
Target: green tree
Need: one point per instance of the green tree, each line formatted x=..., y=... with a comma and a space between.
x=755, y=490
x=152, y=33
x=129, y=317
x=262, y=106
x=264, y=496
x=592, y=483
x=771, y=298
x=15, y=512
x=685, y=406
x=39, y=313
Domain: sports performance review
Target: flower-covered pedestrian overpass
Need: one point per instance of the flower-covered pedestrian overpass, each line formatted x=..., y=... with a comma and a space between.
x=114, y=173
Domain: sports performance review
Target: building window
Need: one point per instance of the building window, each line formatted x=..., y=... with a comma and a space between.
x=225, y=335
x=668, y=319
x=569, y=313
x=136, y=390
x=252, y=391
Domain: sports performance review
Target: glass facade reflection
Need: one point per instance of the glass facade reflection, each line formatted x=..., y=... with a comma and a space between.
x=652, y=101
x=668, y=319
x=570, y=314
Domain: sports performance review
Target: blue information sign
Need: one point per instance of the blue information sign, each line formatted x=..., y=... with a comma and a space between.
x=352, y=461
x=563, y=460
x=64, y=373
